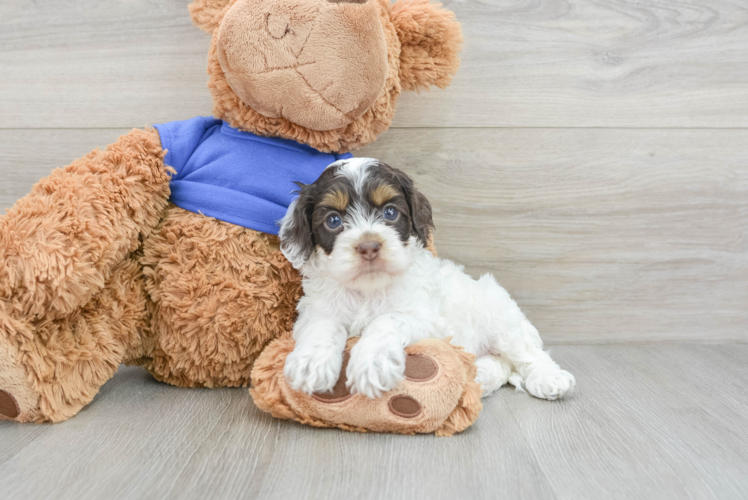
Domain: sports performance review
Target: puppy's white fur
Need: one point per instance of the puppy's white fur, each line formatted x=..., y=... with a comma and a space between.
x=405, y=296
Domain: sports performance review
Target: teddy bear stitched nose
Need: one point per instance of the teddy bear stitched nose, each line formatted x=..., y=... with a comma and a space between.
x=278, y=25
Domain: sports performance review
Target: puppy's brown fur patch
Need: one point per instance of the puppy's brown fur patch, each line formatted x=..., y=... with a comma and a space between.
x=382, y=194
x=336, y=199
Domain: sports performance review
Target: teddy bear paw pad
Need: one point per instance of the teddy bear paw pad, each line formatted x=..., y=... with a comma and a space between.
x=420, y=368
x=438, y=395
x=405, y=406
x=8, y=406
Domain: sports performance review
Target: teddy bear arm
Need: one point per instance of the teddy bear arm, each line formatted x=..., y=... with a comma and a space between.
x=439, y=394
x=61, y=241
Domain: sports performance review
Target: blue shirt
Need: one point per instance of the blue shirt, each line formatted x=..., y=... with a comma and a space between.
x=235, y=176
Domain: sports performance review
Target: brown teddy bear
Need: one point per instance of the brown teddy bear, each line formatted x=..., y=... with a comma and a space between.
x=162, y=250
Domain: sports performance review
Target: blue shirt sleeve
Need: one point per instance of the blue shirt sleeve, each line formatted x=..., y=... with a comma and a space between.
x=180, y=139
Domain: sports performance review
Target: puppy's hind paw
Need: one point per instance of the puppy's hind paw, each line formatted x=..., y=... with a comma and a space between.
x=550, y=385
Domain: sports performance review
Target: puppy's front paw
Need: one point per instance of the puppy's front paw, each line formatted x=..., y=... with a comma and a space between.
x=550, y=385
x=375, y=368
x=313, y=369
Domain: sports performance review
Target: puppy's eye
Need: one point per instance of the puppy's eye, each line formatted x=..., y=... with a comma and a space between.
x=390, y=213
x=334, y=221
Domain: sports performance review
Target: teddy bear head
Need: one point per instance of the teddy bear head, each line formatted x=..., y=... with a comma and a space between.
x=326, y=73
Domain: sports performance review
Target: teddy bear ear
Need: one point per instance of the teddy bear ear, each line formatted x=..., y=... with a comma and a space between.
x=431, y=39
x=207, y=14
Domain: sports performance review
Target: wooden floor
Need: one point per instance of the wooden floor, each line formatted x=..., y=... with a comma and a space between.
x=592, y=154
x=647, y=421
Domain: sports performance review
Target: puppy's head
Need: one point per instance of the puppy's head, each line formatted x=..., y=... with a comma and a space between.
x=359, y=224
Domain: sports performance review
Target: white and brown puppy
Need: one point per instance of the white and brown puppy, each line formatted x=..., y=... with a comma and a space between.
x=357, y=235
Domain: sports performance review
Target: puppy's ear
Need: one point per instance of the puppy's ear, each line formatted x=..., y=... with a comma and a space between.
x=297, y=239
x=419, y=206
x=207, y=14
x=430, y=40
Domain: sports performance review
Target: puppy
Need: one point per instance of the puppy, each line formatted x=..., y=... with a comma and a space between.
x=358, y=237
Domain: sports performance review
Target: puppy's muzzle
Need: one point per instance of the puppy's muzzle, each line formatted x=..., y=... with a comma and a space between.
x=369, y=250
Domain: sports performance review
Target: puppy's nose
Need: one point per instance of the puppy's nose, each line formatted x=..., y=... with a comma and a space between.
x=369, y=250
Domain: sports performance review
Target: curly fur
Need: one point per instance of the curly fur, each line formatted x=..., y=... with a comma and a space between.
x=207, y=14
x=221, y=292
x=59, y=244
x=73, y=301
x=431, y=41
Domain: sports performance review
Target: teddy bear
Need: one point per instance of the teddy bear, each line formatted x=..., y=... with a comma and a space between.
x=162, y=250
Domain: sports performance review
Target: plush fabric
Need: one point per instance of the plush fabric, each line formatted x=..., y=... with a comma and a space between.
x=430, y=40
x=220, y=293
x=320, y=65
x=98, y=268
x=446, y=403
x=236, y=176
x=72, y=297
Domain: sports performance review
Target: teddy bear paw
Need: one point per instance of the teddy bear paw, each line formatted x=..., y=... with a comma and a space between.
x=9, y=409
x=418, y=368
x=436, y=392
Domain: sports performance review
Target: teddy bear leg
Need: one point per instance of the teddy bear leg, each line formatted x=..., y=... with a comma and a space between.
x=51, y=368
x=18, y=399
x=61, y=248
x=221, y=292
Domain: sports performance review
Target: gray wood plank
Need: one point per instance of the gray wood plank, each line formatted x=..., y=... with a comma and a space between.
x=664, y=421
x=544, y=63
x=485, y=460
x=657, y=421
x=600, y=235
x=143, y=439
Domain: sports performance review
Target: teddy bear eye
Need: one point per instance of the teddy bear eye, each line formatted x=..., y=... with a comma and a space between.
x=333, y=221
x=390, y=213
